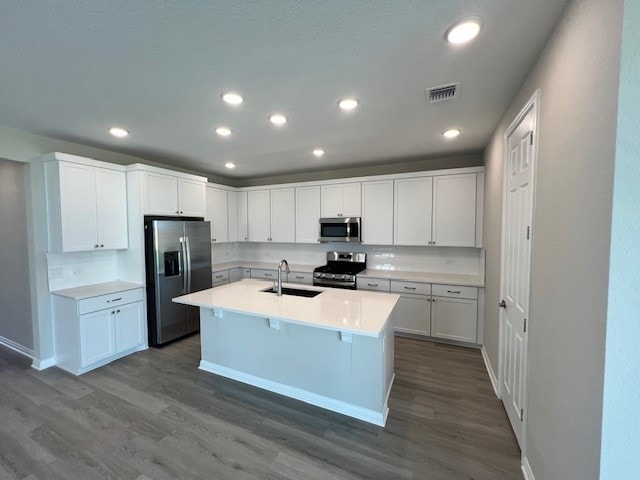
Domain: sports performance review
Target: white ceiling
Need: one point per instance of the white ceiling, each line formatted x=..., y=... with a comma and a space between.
x=71, y=69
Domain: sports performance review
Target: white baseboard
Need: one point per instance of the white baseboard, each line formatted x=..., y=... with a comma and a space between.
x=492, y=375
x=526, y=469
x=45, y=363
x=15, y=346
x=361, y=413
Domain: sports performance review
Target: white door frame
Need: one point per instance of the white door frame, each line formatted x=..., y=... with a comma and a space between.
x=532, y=105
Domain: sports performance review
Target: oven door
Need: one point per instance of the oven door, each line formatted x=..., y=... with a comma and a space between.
x=340, y=229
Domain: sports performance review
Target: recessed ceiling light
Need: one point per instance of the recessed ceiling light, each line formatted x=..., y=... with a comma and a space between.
x=278, y=119
x=232, y=98
x=463, y=32
x=223, y=131
x=118, y=132
x=318, y=152
x=453, y=133
x=230, y=165
x=348, y=103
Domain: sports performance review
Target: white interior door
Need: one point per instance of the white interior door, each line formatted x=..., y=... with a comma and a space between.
x=516, y=265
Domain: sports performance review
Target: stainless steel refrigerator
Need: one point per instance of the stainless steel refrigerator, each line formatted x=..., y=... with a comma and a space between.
x=178, y=261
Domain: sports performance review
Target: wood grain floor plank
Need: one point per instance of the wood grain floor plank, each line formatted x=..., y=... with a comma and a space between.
x=155, y=416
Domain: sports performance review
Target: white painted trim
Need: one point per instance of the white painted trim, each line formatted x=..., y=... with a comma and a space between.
x=526, y=469
x=492, y=375
x=533, y=104
x=67, y=157
x=15, y=346
x=365, y=414
x=43, y=364
x=175, y=173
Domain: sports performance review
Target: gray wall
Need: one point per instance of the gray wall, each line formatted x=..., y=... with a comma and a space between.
x=620, y=433
x=578, y=76
x=24, y=147
x=393, y=166
x=15, y=302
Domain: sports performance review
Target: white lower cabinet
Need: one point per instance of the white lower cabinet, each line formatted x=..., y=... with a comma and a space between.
x=97, y=337
x=413, y=314
x=300, y=277
x=413, y=311
x=220, y=277
x=94, y=331
x=454, y=319
x=447, y=312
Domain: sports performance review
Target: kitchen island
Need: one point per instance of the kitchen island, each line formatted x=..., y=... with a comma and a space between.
x=334, y=350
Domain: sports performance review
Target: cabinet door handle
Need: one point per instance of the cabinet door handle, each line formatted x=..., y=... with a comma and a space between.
x=372, y=284
x=457, y=292
x=114, y=299
x=177, y=211
x=117, y=311
x=102, y=245
x=299, y=277
x=219, y=276
x=96, y=246
x=268, y=274
x=113, y=312
x=409, y=288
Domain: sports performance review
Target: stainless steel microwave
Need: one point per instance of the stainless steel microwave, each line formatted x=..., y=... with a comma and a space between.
x=340, y=229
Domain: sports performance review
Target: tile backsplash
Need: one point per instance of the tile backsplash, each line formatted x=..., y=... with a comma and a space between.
x=465, y=261
x=68, y=270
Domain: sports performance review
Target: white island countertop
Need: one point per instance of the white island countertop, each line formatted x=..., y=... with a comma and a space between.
x=353, y=311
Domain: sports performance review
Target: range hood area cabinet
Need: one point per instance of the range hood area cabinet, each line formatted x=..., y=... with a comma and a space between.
x=86, y=204
x=271, y=215
x=340, y=200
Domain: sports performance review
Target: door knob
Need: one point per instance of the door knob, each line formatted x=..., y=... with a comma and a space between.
x=502, y=304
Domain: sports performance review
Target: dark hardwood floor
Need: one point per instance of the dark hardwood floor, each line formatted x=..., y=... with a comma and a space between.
x=154, y=415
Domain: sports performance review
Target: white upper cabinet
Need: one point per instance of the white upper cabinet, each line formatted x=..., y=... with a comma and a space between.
x=111, y=201
x=167, y=194
x=340, y=200
x=217, y=213
x=271, y=215
x=377, y=212
x=454, y=210
x=232, y=215
x=283, y=228
x=412, y=211
x=86, y=204
x=191, y=197
x=243, y=220
x=259, y=215
x=308, y=214
x=161, y=194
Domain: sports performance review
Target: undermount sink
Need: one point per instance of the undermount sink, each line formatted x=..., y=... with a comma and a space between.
x=298, y=292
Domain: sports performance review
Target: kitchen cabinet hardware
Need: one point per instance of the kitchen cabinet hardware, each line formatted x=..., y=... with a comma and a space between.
x=114, y=300
x=409, y=288
x=372, y=284
x=299, y=277
x=457, y=292
x=102, y=245
x=95, y=246
x=219, y=276
x=502, y=304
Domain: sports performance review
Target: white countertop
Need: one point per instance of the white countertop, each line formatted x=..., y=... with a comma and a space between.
x=262, y=265
x=424, y=277
x=354, y=311
x=88, y=291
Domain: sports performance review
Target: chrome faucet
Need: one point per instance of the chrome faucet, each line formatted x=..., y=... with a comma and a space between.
x=279, y=288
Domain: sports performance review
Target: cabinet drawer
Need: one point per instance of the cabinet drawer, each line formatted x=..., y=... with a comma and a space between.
x=454, y=291
x=221, y=276
x=410, y=287
x=301, y=277
x=378, y=284
x=94, y=304
x=264, y=274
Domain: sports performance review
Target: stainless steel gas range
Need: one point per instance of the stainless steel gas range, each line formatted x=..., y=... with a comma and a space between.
x=341, y=270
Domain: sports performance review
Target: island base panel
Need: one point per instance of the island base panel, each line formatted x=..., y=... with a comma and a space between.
x=349, y=374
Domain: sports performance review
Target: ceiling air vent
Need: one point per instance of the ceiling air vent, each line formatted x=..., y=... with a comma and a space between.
x=443, y=94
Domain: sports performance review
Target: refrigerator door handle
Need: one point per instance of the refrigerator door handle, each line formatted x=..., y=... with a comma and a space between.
x=188, y=263
x=185, y=268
